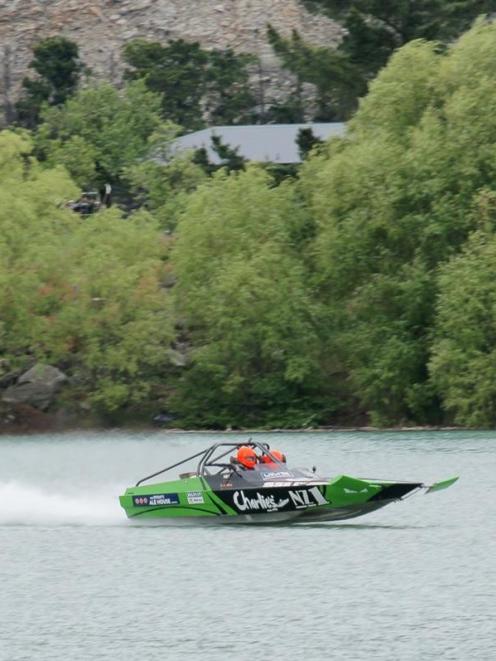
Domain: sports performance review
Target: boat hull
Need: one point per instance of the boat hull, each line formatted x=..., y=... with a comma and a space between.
x=270, y=518
x=195, y=500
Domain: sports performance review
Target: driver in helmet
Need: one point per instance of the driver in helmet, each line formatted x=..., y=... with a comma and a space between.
x=269, y=462
x=246, y=457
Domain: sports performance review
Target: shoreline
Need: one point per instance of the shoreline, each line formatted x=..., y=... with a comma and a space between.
x=26, y=420
x=22, y=430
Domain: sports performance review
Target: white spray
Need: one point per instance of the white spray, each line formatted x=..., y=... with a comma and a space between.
x=21, y=504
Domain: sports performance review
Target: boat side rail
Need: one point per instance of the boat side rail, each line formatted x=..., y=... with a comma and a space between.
x=208, y=458
x=164, y=470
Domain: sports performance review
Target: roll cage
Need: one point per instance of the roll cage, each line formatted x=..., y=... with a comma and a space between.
x=211, y=458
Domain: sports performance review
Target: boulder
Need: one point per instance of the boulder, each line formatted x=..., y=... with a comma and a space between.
x=36, y=387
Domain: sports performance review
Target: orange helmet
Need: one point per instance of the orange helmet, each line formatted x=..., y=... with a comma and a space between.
x=247, y=457
x=277, y=454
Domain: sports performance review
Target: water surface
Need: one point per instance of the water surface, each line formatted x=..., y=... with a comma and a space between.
x=415, y=580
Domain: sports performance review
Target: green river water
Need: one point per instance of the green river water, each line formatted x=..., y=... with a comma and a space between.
x=413, y=581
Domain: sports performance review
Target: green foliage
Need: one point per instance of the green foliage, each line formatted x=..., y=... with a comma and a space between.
x=364, y=287
x=229, y=157
x=376, y=28
x=306, y=141
x=289, y=111
x=109, y=131
x=392, y=202
x=193, y=84
x=373, y=30
x=464, y=350
x=228, y=99
x=393, y=107
x=242, y=294
x=175, y=73
x=56, y=62
x=163, y=189
x=336, y=81
x=82, y=294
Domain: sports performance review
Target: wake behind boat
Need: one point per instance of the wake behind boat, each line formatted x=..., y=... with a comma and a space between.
x=255, y=485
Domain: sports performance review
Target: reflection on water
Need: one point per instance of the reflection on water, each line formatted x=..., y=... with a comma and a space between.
x=415, y=580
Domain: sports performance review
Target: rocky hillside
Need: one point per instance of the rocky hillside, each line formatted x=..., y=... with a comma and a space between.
x=102, y=27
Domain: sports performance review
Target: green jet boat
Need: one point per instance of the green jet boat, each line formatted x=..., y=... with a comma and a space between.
x=220, y=490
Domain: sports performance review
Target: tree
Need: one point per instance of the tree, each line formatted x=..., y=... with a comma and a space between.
x=164, y=188
x=335, y=79
x=374, y=29
x=242, y=295
x=108, y=129
x=306, y=141
x=84, y=295
x=194, y=84
x=229, y=99
x=175, y=73
x=229, y=157
x=163, y=184
x=58, y=68
x=462, y=365
x=393, y=201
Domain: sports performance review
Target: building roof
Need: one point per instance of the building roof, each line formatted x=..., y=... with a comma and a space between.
x=274, y=143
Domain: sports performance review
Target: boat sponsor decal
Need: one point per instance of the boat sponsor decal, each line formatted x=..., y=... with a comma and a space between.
x=277, y=500
x=274, y=475
x=303, y=498
x=275, y=484
x=251, y=503
x=299, y=483
x=156, y=499
x=195, y=498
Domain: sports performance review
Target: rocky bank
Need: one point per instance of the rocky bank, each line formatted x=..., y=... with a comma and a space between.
x=102, y=27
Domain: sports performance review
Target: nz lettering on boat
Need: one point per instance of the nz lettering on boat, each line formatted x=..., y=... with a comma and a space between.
x=298, y=498
x=303, y=498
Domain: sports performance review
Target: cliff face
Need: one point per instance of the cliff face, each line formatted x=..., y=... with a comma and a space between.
x=102, y=27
